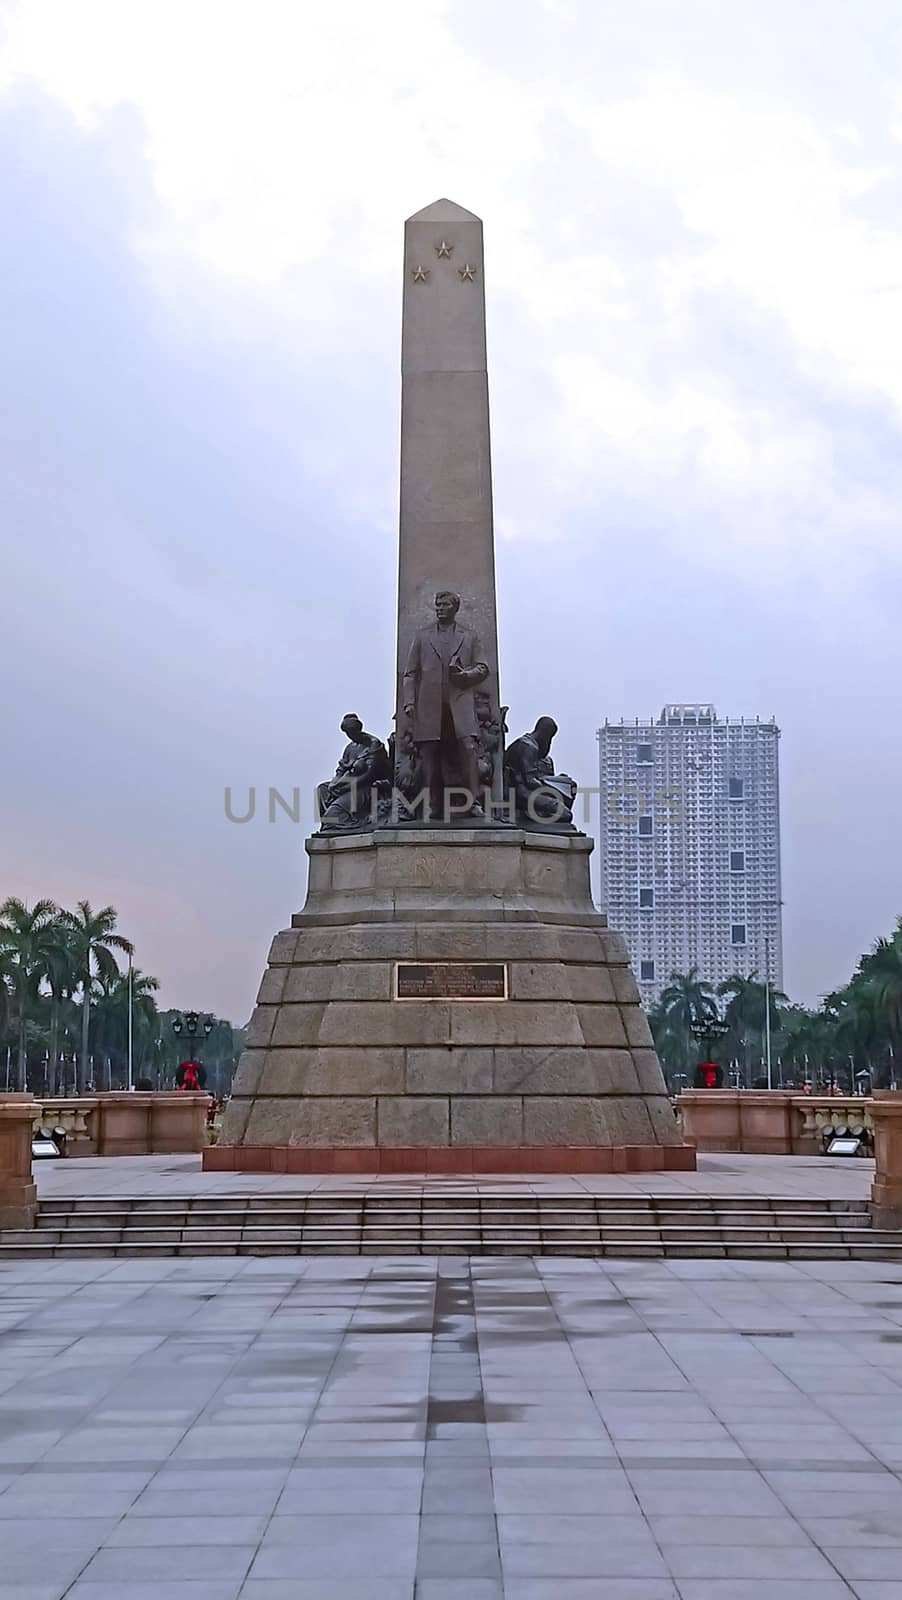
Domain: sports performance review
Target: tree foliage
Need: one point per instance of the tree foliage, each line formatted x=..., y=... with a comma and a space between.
x=64, y=1006
x=854, y=1036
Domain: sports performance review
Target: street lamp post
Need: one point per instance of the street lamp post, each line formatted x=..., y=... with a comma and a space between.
x=131, y=1025
x=770, y=1071
x=194, y=1026
x=708, y=1030
x=767, y=905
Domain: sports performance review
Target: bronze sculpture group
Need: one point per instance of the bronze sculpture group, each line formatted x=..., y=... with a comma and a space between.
x=444, y=763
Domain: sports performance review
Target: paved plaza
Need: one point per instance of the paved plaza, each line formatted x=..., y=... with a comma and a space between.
x=419, y=1429
x=767, y=1177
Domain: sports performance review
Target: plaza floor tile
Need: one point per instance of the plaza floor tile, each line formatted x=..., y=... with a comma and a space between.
x=327, y=1589
x=169, y=1563
x=215, y=1531
x=762, y=1589
x=590, y=1589
x=341, y=1429
x=784, y=1563
x=175, y=1589
x=876, y=1590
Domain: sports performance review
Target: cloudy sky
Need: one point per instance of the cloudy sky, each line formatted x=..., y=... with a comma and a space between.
x=693, y=214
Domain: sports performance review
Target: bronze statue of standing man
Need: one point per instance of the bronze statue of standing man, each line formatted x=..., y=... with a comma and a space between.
x=443, y=672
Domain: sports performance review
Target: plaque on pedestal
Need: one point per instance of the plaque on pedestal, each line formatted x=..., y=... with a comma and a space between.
x=450, y=980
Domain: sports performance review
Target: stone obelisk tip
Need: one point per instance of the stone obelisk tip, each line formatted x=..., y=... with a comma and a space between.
x=444, y=211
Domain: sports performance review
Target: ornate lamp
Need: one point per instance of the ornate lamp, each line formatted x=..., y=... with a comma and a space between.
x=708, y=1030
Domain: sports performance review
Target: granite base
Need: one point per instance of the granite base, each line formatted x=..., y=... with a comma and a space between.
x=454, y=1160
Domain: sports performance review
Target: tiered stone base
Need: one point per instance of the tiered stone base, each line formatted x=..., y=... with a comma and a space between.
x=340, y=1076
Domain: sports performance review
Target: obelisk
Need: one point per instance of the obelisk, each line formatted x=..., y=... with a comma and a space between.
x=446, y=534
x=448, y=999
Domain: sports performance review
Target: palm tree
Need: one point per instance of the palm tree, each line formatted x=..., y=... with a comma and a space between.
x=821, y=1048
x=800, y=1042
x=746, y=1012
x=62, y=979
x=28, y=940
x=6, y=981
x=686, y=1000
x=853, y=1025
x=144, y=1012
x=882, y=970
x=111, y=1014
x=6, y=986
x=93, y=941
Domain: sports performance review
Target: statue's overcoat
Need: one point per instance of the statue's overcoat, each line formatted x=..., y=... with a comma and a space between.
x=428, y=685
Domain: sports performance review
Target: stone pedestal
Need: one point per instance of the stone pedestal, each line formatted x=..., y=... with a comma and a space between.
x=886, y=1191
x=18, y=1195
x=342, y=1075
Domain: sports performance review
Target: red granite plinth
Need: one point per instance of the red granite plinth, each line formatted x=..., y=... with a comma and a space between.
x=456, y=1159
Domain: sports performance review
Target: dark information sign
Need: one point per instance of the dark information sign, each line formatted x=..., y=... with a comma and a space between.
x=451, y=980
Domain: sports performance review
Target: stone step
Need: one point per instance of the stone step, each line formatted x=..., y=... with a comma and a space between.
x=405, y=1199
x=479, y=1206
x=873, y=1249
x=508, y=1219
x=461, y=1222
x=477, y=1239
x=744, y=1225
x=416, y=1208
x=512, y=1217
x=111, y=1237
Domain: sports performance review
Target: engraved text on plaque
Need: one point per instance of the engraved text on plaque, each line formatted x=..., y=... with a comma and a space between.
x=451, y=980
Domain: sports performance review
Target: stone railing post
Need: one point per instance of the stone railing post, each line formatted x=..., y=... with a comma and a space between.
x=805, y=1140
x=18, y=1195
x=886, y=1191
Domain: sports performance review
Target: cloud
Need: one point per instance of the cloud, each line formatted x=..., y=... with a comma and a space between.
x=693, y=258
x=283, y=153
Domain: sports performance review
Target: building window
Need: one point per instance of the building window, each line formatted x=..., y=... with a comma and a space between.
x=737, y=860
x=644, y=755
x=645, y=827
x=737, y=788
x=646, y=899
x=647, y=971
x=738, y=933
